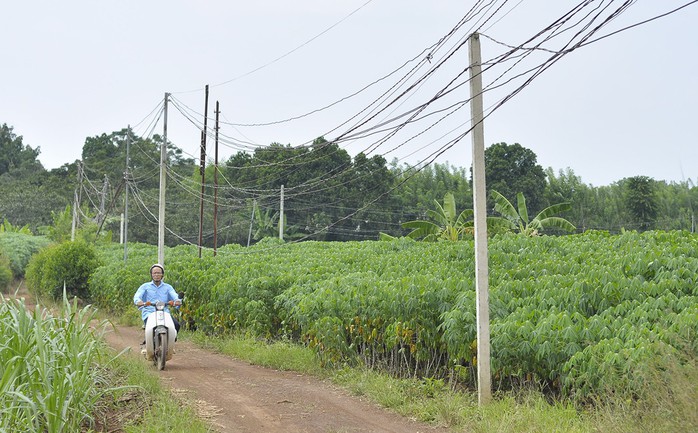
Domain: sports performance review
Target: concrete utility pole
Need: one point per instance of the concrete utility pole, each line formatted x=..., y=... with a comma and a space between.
x=249, y=234
x=101, y=216
x=76, y=203
x=484, y=380
x=163, y=176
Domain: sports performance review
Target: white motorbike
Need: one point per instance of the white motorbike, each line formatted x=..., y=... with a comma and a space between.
x=160, y=335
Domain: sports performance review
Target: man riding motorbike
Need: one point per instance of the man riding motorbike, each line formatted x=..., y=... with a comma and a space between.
x=153, y=291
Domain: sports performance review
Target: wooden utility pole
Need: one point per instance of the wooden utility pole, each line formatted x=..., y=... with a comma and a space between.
x=202, y=170
x=281, y=215
x=484, y=380
x=126, y=175
x=215, y=190
x=163, y=176
x=111, y=205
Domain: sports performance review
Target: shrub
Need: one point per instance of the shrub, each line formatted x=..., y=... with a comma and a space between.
x=5, y=272
x=69, y=264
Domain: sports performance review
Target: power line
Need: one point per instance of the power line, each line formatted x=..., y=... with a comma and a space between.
x=287, y=53
x=565, y=24
x=640, y=23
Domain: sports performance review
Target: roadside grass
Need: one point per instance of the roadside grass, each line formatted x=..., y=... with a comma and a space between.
x=56, y=374
x=280, y=355
x=143, y=405
x=137, y=402
x=49, y=374
x=673, y=408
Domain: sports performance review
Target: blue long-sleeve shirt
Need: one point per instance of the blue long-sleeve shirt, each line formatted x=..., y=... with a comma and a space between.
x=150, y=292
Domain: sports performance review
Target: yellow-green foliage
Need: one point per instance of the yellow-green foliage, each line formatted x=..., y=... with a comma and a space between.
x=5, y=272
x=7, y=227
x=578, y=315
x=19, y=247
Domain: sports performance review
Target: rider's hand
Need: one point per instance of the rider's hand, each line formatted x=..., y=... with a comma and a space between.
x=139, y=304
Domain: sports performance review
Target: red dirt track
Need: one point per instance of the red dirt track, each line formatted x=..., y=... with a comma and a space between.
x=234, y=396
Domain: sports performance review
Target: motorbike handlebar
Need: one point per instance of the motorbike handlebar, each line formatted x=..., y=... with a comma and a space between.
x=148, y=303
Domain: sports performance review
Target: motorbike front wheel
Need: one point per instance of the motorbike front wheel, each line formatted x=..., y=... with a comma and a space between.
x=161, y=351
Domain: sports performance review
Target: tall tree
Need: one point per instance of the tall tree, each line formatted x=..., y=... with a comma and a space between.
x=370, y=192
x=327, y=195
x=510, y=169
x=567, y=187
x=642, y=201
x=676, y=205
x=30, y=200
x=28, y=192
x=418, y=190
x=101, y=156
x=14, y=154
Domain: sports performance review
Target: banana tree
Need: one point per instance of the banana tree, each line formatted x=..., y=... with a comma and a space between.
x=6, y=226
x=517, y=219
x=446, y=225
x=266, y=223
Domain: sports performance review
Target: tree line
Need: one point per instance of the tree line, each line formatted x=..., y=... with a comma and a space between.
x=328, y=195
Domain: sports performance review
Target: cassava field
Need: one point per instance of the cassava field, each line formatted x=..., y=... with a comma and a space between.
x=578, y=317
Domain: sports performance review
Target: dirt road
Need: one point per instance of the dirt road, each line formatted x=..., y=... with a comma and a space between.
x=239, y=397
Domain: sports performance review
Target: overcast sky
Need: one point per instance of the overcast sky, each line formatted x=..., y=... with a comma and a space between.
x=622, y=106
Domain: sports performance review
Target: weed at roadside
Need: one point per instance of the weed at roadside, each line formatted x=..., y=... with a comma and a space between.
x=431, y=401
